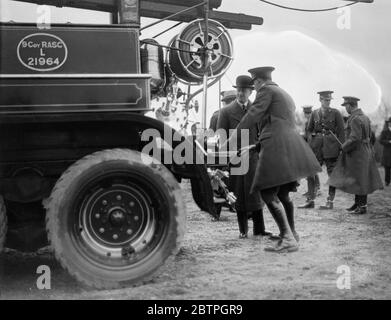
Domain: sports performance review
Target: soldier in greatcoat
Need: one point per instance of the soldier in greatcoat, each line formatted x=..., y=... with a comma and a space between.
x=240, y=185
x=356, y=170
x=284, y=156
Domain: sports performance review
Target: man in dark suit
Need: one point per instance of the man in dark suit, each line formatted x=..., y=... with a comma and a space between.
x=324, y=125
x=240, y=185
x=284, y=156
x=228, y=97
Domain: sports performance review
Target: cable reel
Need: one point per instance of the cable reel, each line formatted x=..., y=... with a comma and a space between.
x=185, y=59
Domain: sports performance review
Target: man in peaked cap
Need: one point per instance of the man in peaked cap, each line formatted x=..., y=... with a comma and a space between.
x=227, y=97
x=356, y=170
x=307, y=110
x=240, y=185
x=284, y=156
x=325, y=125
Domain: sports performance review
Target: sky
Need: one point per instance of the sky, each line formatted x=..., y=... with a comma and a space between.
x=309, y=51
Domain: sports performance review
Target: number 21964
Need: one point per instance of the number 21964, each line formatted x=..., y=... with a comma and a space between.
x=34, y=62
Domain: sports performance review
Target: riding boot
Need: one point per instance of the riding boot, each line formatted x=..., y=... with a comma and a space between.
x=288, y=242
x=242, y=223
x=361, y=205
x=290, y=214
x=355, y=204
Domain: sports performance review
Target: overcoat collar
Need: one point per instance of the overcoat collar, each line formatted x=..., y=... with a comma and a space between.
x=357, y=112
x=269, y=83
x=236, y=111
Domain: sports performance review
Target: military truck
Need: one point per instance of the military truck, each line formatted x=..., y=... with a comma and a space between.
x=72, y=105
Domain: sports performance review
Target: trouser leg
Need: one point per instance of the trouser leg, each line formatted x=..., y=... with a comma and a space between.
x=258, y=222
x=332, y=191
x=242, y=221
x=330, y=164
x=317, y=182
x=311, y=188
x=387, y=175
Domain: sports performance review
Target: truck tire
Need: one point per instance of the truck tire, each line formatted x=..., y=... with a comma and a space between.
x=3, y=223
x=113, y=219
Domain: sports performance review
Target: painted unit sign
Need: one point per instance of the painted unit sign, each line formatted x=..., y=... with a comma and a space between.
x=42, y=52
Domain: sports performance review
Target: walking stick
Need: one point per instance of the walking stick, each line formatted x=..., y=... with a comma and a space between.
x=335, y=137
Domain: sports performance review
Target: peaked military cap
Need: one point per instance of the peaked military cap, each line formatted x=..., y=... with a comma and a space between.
x=261, y=72
x=244, y=82
x=328, y=94
x=227, y=95
x=350, y=100
x=307, y=109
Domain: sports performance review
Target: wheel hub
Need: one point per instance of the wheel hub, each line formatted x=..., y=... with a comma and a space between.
x=117, y=217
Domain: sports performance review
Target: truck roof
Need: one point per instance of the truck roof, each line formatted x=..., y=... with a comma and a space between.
x=159, y=9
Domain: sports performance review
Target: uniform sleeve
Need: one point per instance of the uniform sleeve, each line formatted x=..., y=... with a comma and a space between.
x=258, y=109
x=355, y=136
x=311, y=123
x=340, y=126
x=383, y=139
x=213, y=122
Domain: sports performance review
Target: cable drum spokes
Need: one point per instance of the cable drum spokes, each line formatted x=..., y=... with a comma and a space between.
x=188, y=65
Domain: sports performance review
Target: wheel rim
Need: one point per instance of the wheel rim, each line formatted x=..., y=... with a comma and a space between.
x=116, y=217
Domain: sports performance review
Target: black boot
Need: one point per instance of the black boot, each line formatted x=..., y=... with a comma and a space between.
x=242, y=223
x=288, y=242
x=355, y=205
x=352, y=208
x=361, y=205
x=290, y=214
x=309, y=204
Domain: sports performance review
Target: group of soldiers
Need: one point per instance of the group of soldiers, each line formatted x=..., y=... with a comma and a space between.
x=281, y=157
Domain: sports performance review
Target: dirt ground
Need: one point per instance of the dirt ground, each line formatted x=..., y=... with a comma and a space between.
x=214, y=264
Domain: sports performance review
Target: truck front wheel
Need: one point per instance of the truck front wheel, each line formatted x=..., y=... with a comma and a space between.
x=113, y=219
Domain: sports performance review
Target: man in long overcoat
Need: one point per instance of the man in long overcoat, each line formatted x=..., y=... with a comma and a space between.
x=324, y=125
x=284, y=156
x=356, y=170
x=385, y=140
x=240, y=185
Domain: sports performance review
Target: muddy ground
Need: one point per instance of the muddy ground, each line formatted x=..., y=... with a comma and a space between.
x=214, y=264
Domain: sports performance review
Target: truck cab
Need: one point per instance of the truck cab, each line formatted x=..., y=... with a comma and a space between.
x=73, y=172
